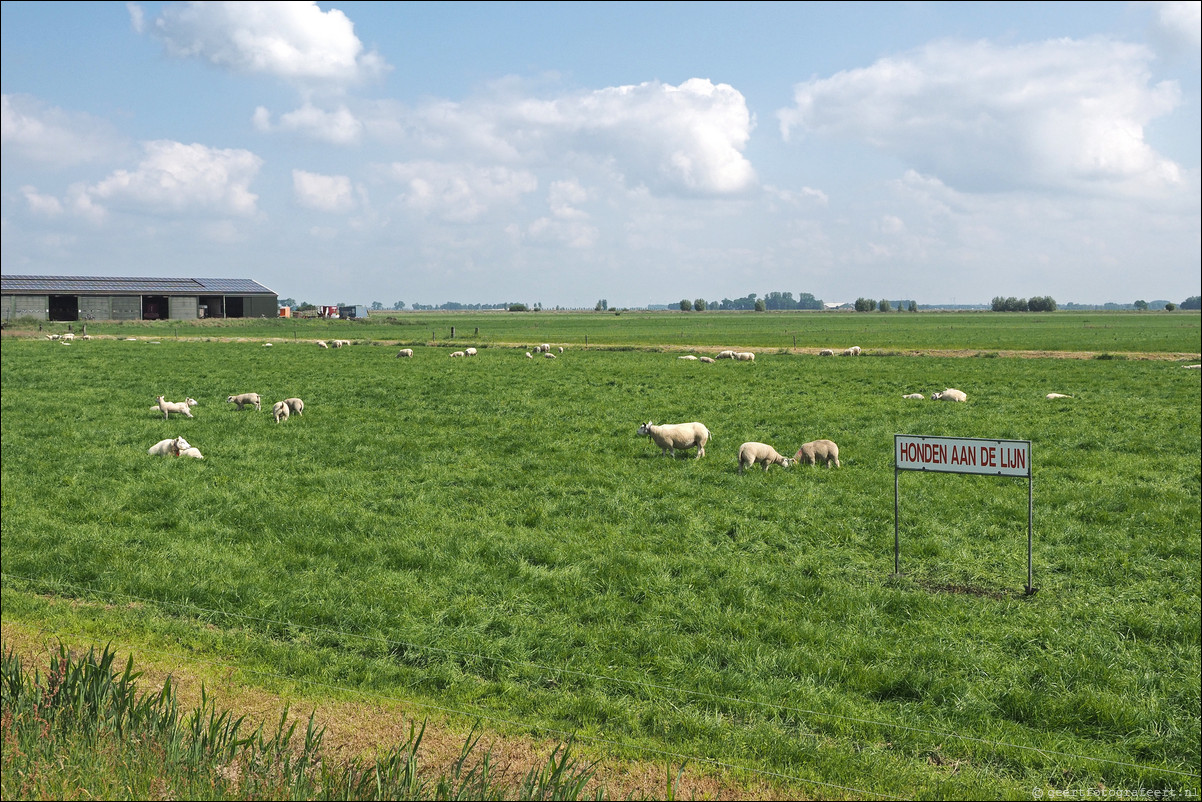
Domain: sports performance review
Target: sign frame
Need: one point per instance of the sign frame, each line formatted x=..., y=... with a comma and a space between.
x=968, y=455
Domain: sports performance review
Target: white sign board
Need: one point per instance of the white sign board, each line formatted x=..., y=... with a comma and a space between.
x=962, y=455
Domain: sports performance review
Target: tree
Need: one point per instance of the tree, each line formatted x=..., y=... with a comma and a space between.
x=1192, y=302
x=376, y=306
x=1141, y=306
x=305, y=306
x=686, y=305
x=885, y=306
x=518, y=308
x=699, y=305
x=760, y=306
x=399, y=305
x=913, y=306
x=602, y=306
x=1041, y=303
x=865, y=304
x=287, y=302
x=1170, y=306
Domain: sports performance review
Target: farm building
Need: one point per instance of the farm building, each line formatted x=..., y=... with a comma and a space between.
x=104, y=298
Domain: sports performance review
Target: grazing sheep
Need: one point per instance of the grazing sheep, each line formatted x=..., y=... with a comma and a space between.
x=751, y=453
x=545, y=348
x=322, y=344
x=561, y=349
x=69, y=336
x=826, y=352
x=687, y=356
x=671, y=436
x=818, y=451
x=170, y=447
x=458, y=353
x=949, y=394
x=529, y=355
x=280, y=411
x=405, y=352
x=914, y=395
x=1057, y=395
x=246, y=398
x=86, y=337
x=178, y=407
x=745, y=356
x=469, y=352
x=295, y=406
x=709, y=360
x=726, y=355
x=853, y=351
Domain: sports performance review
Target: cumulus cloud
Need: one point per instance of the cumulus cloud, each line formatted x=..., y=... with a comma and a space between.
x=39, y=133
x=325, y=193
x=339, y=127
x=296, y=41
x=47, y=205
x=1058, y=114
x=457, y=192
x=174, y=177
x=1178, y=26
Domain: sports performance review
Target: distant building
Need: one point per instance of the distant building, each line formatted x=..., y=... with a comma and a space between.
x=353, y=311
x=103, y=298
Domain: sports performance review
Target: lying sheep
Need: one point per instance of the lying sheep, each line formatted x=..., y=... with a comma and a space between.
x=826, y=352
x=914, y=395
x=190, y=451
x=751, y=453
x=687, y=356
x=1057, y=395
x=709, y=360
x=178, y=407
x=469, y=352
x=280, y=410
x=1191, y=367
x=548, y=355
x=169, y=447
x=404, y=352
x=818, y=451
x=745, y=356
x=950, y=394
x=295, y=406
x=671, y=436
x=244, y=399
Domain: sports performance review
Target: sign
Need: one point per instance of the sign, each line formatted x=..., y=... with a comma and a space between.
x=962, y=455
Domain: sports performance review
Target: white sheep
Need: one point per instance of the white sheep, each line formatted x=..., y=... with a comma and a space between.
x=751, y=453
x=818, y=451
x=687, y=356
x=545, y=348
x=469, y=351
x=826, y=352
x=280, y=411
x=561, y=349
x=405, y=352
x=1057, y=395
x=178, y=407
x=1191, y=367
x=266, y=345
x=671, y=436
x=458, y=353
x=950, y=394
x=709, y=360
x=190, y=451
x=914, y=395
x=169, y=447
x=548, y=355
x=246, y=398
x=529, y=355
x=853, y=351
x=295, y=406
x=745, y=356
x=69, y=336
x=322, y=344
x=726, y=355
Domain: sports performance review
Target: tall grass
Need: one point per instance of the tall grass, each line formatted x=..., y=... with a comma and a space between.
x=489, y=534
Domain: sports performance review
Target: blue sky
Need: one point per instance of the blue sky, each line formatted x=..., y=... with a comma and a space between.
x=635, y=152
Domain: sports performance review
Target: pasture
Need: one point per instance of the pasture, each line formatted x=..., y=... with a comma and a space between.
x=489, y=536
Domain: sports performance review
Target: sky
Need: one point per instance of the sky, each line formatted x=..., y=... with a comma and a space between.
x=641, y=153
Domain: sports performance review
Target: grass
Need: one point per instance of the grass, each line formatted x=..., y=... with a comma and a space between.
x=490, y=535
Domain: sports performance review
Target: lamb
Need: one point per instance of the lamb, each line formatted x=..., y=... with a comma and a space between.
x=529, y=355
x=244, y=399
x=458, y=353
x=709, y=360
x=405, y=352
x=178, y=407
x=469, y=352
x=169, y=447
x=826, y=352
x=950, y=394
x=853, y=351
x=745, y=356
x=914, y=395
x=751, y=453
x=671, y=436
x=190, y=451
x=1057, y=395
x=295, y=406
x=280, y=411
x=818, y=451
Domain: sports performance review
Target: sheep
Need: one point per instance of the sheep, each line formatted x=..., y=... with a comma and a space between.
x=69, y=336
x=1057, y=395
x=295, y=406
x=1191, y=367
x=266, y=345
x=950, y=394
x=826, y=352
x=853, y=351
x=745, y=356
x=190, y=451
x=529, y=355
x=322, y=344
x=561, y=349
x=545, y=348
x=178, y=407
x=709, y=360
x=469, y=351
x=86, y=337
x=671, y=436
x=458, y=353
x=818, y=451
x=726, y=355
x=246, y=398
x=687, y=356
x=548, y=355
x=169, y=447
x=751, y=453
x=914, y=395
x=404, y=352
x=280, y=411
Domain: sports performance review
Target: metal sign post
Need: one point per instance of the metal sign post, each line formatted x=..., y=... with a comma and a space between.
x=963, y=455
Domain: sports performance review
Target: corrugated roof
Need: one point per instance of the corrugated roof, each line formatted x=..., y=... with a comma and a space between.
x=83, y=285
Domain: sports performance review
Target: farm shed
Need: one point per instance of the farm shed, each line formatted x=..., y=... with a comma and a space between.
x=104, y=298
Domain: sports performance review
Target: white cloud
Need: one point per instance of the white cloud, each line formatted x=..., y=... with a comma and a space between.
x=174, y=177
x=48, y=135
x=564, y=197
x=325, y=193
x=47, y=205
x=457, y=192
x=339, y=127
x=1178, y=24
x=1058, y=114
x=291, y=40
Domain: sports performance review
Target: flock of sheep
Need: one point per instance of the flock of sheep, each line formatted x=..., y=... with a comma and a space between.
x=671, y=436
x=179, y=447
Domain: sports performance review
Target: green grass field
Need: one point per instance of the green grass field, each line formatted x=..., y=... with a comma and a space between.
x=489, y=535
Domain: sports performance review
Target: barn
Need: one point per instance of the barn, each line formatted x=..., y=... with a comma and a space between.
x=103, y=298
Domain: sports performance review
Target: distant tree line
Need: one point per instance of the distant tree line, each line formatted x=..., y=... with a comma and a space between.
x=773, y=301
x=1036, y=303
